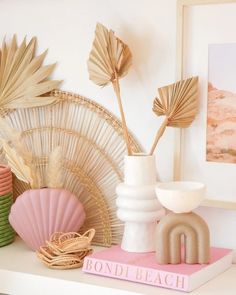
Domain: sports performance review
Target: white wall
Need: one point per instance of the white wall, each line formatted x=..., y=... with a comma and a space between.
x=66, y=27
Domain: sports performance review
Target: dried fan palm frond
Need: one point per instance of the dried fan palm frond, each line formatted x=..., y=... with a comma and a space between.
x=17, y=164
x=110, y=60
x=55, y=169
x=178, y=103
x=23, y=79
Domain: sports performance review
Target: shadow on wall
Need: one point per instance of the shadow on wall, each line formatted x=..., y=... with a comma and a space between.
x=215, y=218
x=147, y=48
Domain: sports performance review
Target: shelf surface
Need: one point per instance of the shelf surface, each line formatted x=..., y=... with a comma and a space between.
x=21, y=273
x=219, y=204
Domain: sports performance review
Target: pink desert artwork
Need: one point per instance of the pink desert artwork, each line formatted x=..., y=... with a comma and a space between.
x=221, y=108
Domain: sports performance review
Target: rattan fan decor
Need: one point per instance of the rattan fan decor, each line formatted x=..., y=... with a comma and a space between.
x=93, y=148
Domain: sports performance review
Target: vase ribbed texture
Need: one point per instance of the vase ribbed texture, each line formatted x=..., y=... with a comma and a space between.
x=137, y=204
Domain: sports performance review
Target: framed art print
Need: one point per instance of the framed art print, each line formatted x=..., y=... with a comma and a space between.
x=206, y=47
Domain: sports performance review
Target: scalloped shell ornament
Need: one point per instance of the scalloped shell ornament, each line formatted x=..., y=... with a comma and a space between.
x=39, y=213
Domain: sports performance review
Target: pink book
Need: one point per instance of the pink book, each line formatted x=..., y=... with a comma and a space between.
x=142, y=268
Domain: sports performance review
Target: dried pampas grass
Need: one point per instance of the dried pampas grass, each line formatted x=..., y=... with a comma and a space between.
x=55, y=169
x=23, y=165
x=110, y=60
x=23, y=80
x=22, y=161
x=17, y=164
x=14, y=138
x=178, y=103
x=18, y=157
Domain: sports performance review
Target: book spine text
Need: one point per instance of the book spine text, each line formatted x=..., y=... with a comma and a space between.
x=136, y=274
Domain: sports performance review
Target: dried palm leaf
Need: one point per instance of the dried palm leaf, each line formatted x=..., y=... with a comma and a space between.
x=110, y=60
x=178, y=103
x=55, y=169
x=23, y=80
x=17, y=164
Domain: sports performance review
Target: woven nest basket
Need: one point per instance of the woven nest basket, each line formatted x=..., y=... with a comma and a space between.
x=93, y=149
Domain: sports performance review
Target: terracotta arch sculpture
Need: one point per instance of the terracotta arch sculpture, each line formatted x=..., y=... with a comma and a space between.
x=196, y=237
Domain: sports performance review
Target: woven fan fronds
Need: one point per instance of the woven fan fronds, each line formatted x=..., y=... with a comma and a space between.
x=110, y=60
x=23, y=79
x=93, y=156
x=55, y=169
x=178, y=103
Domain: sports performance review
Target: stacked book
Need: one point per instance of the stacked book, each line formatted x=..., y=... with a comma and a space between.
x=143, y=268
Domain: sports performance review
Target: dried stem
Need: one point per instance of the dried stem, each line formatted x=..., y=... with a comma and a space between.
x=159, y=135
x=178, y=103
x=116, y=87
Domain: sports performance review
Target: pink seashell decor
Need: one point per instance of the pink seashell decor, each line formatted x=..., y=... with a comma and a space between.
x=38, y=213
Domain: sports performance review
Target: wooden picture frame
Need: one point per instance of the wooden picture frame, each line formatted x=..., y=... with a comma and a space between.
x=182, y=6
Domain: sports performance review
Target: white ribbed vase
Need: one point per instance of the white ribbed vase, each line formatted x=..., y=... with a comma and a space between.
x=137, y=204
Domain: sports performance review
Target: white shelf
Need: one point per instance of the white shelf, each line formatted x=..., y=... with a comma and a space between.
x=21, y=273
x=219, y=204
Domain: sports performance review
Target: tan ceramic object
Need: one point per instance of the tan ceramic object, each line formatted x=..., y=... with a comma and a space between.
x=168, y=239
